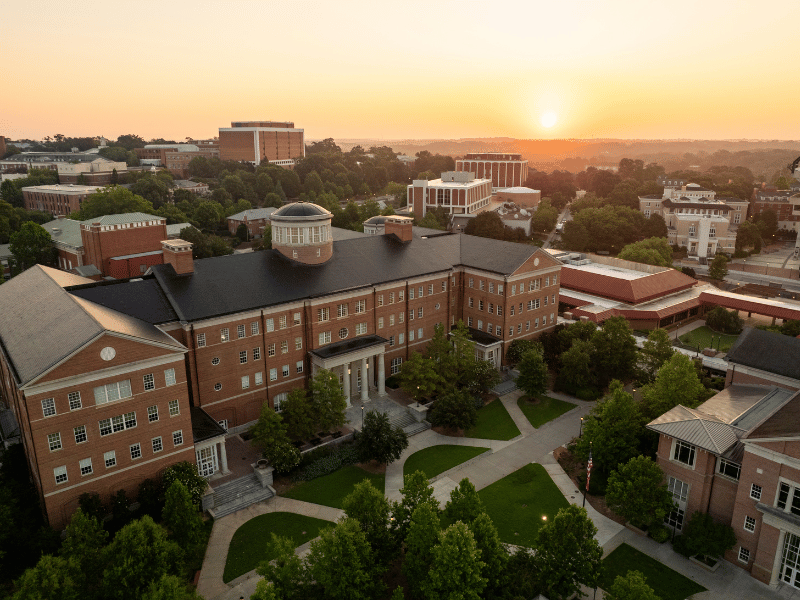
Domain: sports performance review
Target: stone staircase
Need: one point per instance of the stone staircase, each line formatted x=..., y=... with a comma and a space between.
x=238, y=494
x=408, y=423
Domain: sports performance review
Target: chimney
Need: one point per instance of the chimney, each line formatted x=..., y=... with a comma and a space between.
x=399, y=226
x=178, y=253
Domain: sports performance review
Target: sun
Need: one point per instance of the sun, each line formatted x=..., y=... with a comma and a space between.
x=549, y=119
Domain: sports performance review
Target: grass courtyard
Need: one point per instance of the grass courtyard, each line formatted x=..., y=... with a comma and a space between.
x=543, y=409
x=248, y=547
x=331, y=490
x=667, y=584
x=494, y=423
x=438, y=459
x=517, y=502
x=702, y=335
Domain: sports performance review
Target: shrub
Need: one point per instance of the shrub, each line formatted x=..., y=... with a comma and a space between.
x=455, y=409
x=659, y=533
x=723, y=320
x=345, y=455
x=92, y=506
x=702, y=536
x=187, y=473
x=393, y=382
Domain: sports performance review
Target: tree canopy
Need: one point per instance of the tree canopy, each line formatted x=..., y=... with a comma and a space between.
x=652, y=251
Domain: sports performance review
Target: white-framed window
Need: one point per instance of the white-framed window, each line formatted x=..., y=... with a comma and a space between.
x=270, y=325
x=361, y=306
x=788, y=498
x=469, y=321
x=80, y=434
x=149, y=382
x=112, y=392
x=299, y=366
x=324, y=338
x=240, y=331
x=499, y=311
x=273, y=374
x=259, y=378
x=49, y=407
x=217, y=387
x=410, y=336
x=430, y=289
x=323, y=314
x=755, y=492
x=480, y=304
x=480, y=325
x=215, y=361
x=512, y=310
x=60, y=474
x=411, y=293
x=271, y=350
x=242, y=357
x=110, y=459
x=419, y=312
x=749, y=523
x=470, y=302
x=511, y=330
x=471, y=282
x=343, y=333
x=380, y=300
x=136, y=451
x=54, y=441
x=527, y=325
x=254, y=328
x=224, y=335
x=401, y=337
x=201, y=340
x=444, y=286
x=391, y=297
x=177, y=437
x=400, y=295
x=282, y=321
x=684, y=453
x=361, y=328
x=481, y=284
x=245, y=382
x=157, y=445
x=491, y=287
x=74, y=400
x=285, y=347
x=519, y=328
x=396, y=363
x=729, y=469
x=380, y=322
x=278, y=401
x=298, y=343
x=419, y=333
x=680, y=493
x=223, y=423
x=174, y=409
x=744, y=555
x=401, y=317
x=256, y=353
x=169, y=377
x=285, y=370
x=152, y=414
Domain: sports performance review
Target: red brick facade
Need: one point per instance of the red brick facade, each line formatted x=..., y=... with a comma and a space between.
x=108, y=247
x=257, y=141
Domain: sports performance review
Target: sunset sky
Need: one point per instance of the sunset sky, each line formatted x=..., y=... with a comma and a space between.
x=398, y=70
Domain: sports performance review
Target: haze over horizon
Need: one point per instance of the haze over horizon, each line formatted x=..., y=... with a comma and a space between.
x=416, y=71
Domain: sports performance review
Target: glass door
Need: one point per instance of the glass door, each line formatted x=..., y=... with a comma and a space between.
x=207, y=461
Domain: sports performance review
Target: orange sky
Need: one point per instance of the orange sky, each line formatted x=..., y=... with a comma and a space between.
x=399, y=70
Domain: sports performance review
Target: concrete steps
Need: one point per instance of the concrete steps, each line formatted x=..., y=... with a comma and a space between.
x=238, y=494
x=408, y=423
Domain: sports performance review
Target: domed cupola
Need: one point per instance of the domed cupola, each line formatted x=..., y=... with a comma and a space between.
x=302, y=231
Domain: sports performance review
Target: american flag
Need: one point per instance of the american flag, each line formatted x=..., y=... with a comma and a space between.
x=588, y=470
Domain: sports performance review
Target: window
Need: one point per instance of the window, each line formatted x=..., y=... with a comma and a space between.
x=361, y=306
x=245, y=382
x=112, y=392
x=341, y=310
x=323, y=314
x=395, y=365
x=177, y=438
x=430, y=289
x=680, y=492
x=545, y=300
x=401, y=338
x=444, y=286
x=361, y=328
x=391, y=340
x=242, y=357
x=259, y=378
x=512, y=311
x=410, y=336
x=256, y=353
x=282, y=322
x=729, y=469
x=54, y=440
x=169, y=377
x=511, y=330
x=324, y=338
x=491, y=287
x=224, y=335
x=74, y=400
x=296, y=318
x=784, y=492
x=480, y=304
x=110, y=459
x=215, y=361
x=299, y=366
x=684, y=453
x=285, y=370
x=174, y=409
x=470, y=302
x=391, y=297
x=481, y=284
x=491, y=308
x=527, y=325
x=499, y=288
x=49, y=407
x=60, y=474
x=343, y=333
x=744, y=555
x=519, y=328
x=278, y=400
x=755, y=492
x=152, y=414
x=273, y=374
x=380, y=322
x=254, y=328
x=284, y=346
x=471, y=282
x=380, y=300
x=400, y=296
x=80, y=434
x=240, y=331
x=480, y=325
x=157, y=446
x=411, y=315
x=136, y=451
x=217, y=387
x=298, y=343
x=271, y=350
x=499, y=311
x=401, y=317
x=270, y=325
x=546, y=281
x=469, y=321
x=201, y=340
x=749, y=524
x=86, y=466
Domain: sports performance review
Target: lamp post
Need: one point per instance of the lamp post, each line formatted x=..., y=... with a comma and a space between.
x=580, y=430
x=362, y=417
x=677, y=329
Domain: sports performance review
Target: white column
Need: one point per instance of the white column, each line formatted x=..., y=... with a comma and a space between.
x=223, y=457
x=364, y=381
x=346, y=380
x=775, y=578
x=381, y=376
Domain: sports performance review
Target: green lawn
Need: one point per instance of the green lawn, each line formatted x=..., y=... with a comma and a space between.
x=332, y=489
x=544, y=410
x=702, y=335
x=518, y=501
x=438, y=459
x=494, y=423
x=249, y=544
x=667, y=584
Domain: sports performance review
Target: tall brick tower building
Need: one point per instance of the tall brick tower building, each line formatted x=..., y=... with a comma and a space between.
x=256, y=141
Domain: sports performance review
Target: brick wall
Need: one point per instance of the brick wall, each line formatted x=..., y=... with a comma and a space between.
x=100, y=246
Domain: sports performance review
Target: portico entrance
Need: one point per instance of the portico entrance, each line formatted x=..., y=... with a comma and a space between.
x=359, y=364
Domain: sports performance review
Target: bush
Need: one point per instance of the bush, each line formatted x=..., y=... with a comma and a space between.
x=689, y=271
x=726, y=321
x=703, y=537
x=187, y=473
x=343, y=456
x=92, y=506
x=455, y=409
x=393, y=382
x=741, y=254
x=659, y=533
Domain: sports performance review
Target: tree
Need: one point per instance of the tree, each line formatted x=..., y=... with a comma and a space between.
x=655, y=351
x=767, y=222
x=130, y=141
x=419, y=376
x=298, y=415
x=31, y=245
x=112, y=201
x=152, y=189
x=532, y=373
x=652, y=251
x=83, y=544
x=416, y=490
x=429, y=221
x=181, y=516
x=748, y=235
x=423, y=534
x=170, y=587
x=369, y=507
x=636, y=491
x=456, y=566
x=286, y=571
x=379, y=440
x=676, y=383
x=464, y=505
x=577, y=366
x=631, y=586
x=270, y=433
x=454, y=409
x=487, y=224
x=545, y=217
x=11, y=193
x=53, y=578
x=718, y=268
x=484, y=377
x=726, y=321
x=329, y=400
x=702, y=536
x=615, y=350
x=207, y=215
x=342, y=564
x=519, y=347
x=493, y=553
x=186, y=473
x=459, y=363
x=567, y=553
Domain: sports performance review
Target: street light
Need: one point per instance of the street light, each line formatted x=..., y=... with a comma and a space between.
x=580, y=430
x=362, y=417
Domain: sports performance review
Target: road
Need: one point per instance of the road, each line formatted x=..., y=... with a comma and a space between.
x=564, y=216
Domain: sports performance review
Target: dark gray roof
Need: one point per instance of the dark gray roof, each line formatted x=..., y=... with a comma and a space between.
x=204, y=427
x=481, y=337
x=767, y=351
x=301, y=209
x=141, y=299
x=346, y=346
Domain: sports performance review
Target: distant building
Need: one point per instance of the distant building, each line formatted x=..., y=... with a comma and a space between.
x=98, y=171
x=456, y=192
x=504, y=170
x=57, y=199
x=764, y=358
x=2, y=146
x=256, y=220
x=256, y=141
x=521, y=196
x=175, y=157
x=516, y=217
x=782, y=202
x=192, y=186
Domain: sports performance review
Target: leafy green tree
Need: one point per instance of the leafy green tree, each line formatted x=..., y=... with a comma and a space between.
x=280, y=193
x=270, y=433
x=487, y=224
x=519, y=347
x=342, y=564
x=545, y=217
x=266, y=591
x=577, y=366
x=420, y=377
x=718, y=268
x=208, y=215
x=83, y=544
x=170, y=587
x=494, y=554
x=636, y=491
x=423, y=535
x=615, y=350
x=11, y=193
x=454, y=409
x=186, y=473
x=702, y=536
x=286, y=571
x=152, y=189
x=567, y=553
x=464, y=505
x=298, y=415
x=652, y=251
x=484, y=377
x=329, y=400
x=368, y=506
x=429, y=221
x=53, y=578
x=767, y=222
x=234, y=185
x=112, y=201
x=31, y=245
x=532, y=373
x=676, y=383
x=460, y=361
x=130, y=141
x=748, y=235
x=655, y=351
x=181, y=516
x=726, y=321
x=456, y=569
x=416, y=490
x=631, y=586
x=379, y=440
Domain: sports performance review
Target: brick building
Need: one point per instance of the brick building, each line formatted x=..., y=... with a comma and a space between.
x=98, y=171
x=256, y=220
x=457, y=192
x=785, y=203
x=249, y=328
x=504, y=170
x=57, y=199
x=256, y=141
x=175, y=157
